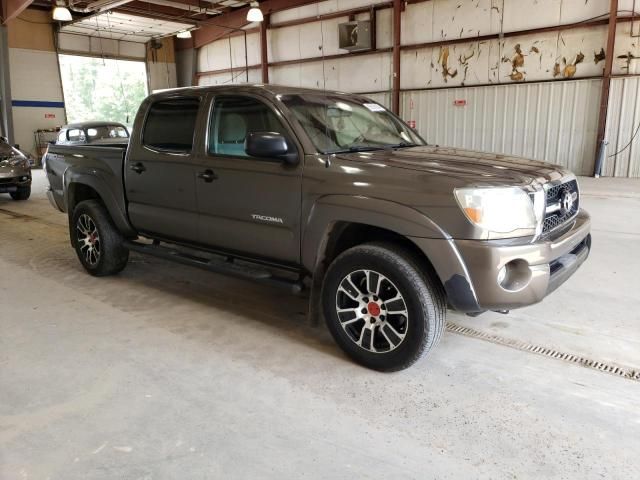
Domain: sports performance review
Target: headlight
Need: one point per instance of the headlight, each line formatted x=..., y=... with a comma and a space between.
x=502, y=210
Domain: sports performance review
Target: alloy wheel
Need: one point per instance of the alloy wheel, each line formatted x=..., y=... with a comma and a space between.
x=88, y=239
x=372, y=311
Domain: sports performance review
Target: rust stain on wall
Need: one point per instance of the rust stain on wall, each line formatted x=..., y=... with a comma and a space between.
x=443, y=60
x=517, y=62
x=571, y=68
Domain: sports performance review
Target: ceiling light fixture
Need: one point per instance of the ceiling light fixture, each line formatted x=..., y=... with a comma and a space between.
x=184, y=34
x=61, y=14
x=254, y=14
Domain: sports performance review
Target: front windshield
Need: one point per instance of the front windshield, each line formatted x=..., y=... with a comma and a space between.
x=338, y=123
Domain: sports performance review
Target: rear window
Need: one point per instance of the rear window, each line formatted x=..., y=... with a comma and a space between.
x=107, y=132
x=171, y=125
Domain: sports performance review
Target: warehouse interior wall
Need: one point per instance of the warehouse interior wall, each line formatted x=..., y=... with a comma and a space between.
x=36, y=90
x=518, y=77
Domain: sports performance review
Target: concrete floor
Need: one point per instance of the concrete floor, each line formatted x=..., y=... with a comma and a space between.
x=168, y=372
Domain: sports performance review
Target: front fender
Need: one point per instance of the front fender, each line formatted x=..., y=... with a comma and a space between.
x=330, y=209
x=110, y=193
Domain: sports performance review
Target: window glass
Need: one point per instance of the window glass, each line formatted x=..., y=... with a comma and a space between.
x=340, y=123
x=235, y=117
x=62, y=136
x=171, y=125
x=76, y=135
x=107, y=131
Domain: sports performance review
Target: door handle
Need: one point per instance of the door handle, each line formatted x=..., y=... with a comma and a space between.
x=138, y=167
x=208, y=176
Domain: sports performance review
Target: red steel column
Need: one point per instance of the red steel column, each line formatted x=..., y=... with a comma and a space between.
x=606, y=77
x=264, y=58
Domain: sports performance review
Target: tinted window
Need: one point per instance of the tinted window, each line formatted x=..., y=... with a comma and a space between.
x=235, y=117
x=171, y=125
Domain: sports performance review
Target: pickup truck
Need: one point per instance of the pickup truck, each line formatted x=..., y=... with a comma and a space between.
x=327, y=191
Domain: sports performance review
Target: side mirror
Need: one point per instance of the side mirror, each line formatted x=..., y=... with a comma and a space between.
x=270, y=145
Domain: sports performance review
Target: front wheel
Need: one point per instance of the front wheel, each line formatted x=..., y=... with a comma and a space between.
x=98, y=243
x=382, y=306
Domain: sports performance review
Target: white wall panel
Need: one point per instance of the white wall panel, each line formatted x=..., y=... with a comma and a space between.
x=368, y=73
x=320, y=8
x=551, y=121
x=229, y=51
x=34, y=75
x=238, y=77
x=623, y=118
x=34, y=78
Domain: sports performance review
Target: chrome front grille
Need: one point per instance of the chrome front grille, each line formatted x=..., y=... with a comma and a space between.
x=563, y=203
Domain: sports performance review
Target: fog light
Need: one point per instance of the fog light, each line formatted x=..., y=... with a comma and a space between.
x=24, y=179
x=515, y=275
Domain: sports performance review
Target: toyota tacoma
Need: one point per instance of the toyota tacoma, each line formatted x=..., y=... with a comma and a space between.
x=328, y=191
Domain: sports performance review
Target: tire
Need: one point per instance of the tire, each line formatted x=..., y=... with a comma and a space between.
x=23, y=193
x=98, y=243
x=404, y=329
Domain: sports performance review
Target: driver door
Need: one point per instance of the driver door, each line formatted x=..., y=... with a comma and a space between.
x=247, y=204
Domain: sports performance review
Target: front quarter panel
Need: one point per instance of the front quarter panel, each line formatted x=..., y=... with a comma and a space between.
x=331, y=209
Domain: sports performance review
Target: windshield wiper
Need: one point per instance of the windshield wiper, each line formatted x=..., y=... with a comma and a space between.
x=358, y=148
x=404, y=145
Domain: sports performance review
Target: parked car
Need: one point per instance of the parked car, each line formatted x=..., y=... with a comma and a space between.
x=301, y=187
x=15, y=171
x=85, y=133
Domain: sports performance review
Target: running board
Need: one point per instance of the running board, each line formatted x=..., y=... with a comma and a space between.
x=218, y=266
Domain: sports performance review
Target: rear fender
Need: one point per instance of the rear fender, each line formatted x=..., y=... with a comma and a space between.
x=105, y=188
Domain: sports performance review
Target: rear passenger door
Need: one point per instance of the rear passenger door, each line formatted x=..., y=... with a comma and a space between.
x=247, y=204
x=159, y=171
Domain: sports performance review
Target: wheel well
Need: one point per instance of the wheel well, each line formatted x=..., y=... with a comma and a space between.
x=345, y=235
x=79, y=192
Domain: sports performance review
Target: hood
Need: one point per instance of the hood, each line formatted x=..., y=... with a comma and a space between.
x=468, y=166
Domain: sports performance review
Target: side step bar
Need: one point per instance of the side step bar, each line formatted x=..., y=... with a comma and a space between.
x=214, y=265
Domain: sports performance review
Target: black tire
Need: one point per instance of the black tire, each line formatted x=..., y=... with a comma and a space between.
x=23, y=193
x=421, y=295
x=111, y=256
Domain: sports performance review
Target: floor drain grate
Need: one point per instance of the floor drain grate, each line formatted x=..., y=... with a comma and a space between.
x=617, y=370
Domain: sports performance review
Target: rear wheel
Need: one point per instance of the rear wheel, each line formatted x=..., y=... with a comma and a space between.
x=382, y=307
x=23, y=193
x=98, y=243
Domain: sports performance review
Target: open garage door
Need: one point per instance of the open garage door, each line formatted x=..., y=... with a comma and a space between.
x=102, y=88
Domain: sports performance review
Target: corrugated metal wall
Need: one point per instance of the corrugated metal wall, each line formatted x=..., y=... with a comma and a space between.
x=551, y=121
x=623, y=118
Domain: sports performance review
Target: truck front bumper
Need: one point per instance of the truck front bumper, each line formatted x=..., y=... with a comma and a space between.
x=506, y=274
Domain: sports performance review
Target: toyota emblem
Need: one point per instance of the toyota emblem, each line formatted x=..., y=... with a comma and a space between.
x=566, y=201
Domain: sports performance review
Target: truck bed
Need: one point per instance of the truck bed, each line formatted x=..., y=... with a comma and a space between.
x=103, y=162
